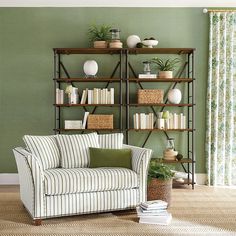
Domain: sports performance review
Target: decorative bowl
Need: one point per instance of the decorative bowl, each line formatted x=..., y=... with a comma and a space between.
x=150, y=43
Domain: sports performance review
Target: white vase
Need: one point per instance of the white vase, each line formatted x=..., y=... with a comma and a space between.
x=90, y=68
x=174, y=96
x=132, y=41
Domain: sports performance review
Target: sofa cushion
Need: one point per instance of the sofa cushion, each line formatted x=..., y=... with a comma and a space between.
x=106, y=157
x=45, y=148
x=114, y=141
x=75, y=149
x=63, y=181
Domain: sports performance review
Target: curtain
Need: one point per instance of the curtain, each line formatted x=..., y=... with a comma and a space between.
x=221, y=100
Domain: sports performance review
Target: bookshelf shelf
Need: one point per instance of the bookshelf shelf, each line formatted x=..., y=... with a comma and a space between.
x=161, y=130
x=184, y=160
x=88, y=105
x=166, y=80
x=85, y=80
x=69, y=130
x=161, y=105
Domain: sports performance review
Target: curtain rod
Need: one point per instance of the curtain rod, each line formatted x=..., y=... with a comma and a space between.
x=205, y=10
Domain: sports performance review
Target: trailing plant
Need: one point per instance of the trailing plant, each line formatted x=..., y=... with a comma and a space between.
x=159, y=171
x=99, y=33
x=167, y=65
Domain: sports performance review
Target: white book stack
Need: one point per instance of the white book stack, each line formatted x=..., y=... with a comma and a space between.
x=154, y=212
x=175, y=121
x=143, y=121
x=147, y=76
x=59, y=96
x=98, y=96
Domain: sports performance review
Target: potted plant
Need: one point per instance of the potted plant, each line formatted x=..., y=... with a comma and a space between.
x=99, y=35
x=159, y=182
x=166, y=67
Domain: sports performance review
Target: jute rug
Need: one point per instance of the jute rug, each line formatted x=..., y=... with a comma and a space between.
x=203, y=211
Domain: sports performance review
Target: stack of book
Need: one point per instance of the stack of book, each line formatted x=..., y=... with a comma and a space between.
x=174, y=121
x=147, y=76
x=143, y=121
x=98, y=96
x=154, y=212
x=77, y=124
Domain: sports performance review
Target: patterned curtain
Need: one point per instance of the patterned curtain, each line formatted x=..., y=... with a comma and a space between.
x=221, y=100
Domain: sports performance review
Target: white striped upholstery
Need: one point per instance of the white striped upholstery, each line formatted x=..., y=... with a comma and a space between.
x=74, y=149
x=40, y=205
x=84, y=203
x=140, y=163
x=75, y=180
x=45, y=148
x=114, y=141
x=31, y=182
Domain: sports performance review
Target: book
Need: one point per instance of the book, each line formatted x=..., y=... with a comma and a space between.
x=141, y=212
x=154, y=204
x=73, y=124
x=85, y=119
x=147, y=76
x=158, y=220
x=112, y=91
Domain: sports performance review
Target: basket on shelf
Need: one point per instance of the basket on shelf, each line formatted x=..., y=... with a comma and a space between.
x=150, y=96
x=100, y=122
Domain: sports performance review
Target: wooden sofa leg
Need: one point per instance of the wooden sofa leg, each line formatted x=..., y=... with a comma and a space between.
x=37, y=222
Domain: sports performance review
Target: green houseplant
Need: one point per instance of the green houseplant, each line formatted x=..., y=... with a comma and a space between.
x=159, y=182
x=99, y=35
x=166, y=67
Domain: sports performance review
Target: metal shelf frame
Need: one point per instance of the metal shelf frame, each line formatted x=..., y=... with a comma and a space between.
x=188, y=68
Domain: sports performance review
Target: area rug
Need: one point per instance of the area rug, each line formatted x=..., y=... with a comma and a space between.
x=203, y=211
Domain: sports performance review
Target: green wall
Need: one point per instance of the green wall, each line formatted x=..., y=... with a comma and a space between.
x=27, y=36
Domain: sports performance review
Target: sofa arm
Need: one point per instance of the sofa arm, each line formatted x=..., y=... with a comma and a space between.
x=31, y=178
x=140, y=163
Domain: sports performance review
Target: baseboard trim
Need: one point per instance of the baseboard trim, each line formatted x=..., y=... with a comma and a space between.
x=9, y=179
x=13, y=179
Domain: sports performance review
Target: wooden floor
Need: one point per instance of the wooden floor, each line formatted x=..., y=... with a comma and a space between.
x=203, y=211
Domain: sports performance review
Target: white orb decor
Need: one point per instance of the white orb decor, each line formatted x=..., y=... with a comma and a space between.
x=90, y=68
x=132, y=41
x=174, y=96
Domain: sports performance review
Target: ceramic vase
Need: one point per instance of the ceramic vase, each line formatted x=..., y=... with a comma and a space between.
x=166, y=74
x=174, y=96
x=132, y=41
x=90, y=68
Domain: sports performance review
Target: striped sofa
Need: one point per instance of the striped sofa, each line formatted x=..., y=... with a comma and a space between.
x=50, y=187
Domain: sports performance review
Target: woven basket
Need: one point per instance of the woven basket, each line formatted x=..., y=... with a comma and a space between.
x=100, y=122
x=148, y=96
x=160, y=190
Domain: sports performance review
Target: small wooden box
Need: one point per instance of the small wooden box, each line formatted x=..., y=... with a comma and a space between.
x=100, y=122
x=150, y=96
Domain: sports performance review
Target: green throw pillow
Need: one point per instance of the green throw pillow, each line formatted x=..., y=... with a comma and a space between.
x=103, y=157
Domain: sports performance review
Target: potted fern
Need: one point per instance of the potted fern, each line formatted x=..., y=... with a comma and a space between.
x=166, y=67
x=99, y=35
x=159, y=182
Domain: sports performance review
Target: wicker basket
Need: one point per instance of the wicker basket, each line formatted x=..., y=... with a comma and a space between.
x=150, y=96
x=160, y=190
x=100, y=122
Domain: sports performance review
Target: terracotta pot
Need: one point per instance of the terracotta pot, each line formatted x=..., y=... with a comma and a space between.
x=160, y=190
x=166, y=74
x=100, y=44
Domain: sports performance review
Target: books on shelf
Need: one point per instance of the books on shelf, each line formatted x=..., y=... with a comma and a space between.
x=98, y=96
x=143, y=121
x=73, y=124
x=147, y=76
x=174, y=121
x=85, y=119
x=59, y=96
x=154, y=212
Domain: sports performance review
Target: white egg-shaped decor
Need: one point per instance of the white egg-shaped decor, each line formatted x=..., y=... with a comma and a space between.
x=174, y=96
x=90, y=68
x=132, y=41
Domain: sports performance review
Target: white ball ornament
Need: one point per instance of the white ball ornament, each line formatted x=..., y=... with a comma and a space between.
x=132, y=41
x=174, y=96
x=90, y=68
